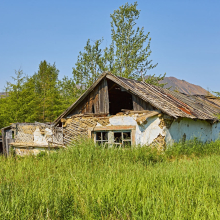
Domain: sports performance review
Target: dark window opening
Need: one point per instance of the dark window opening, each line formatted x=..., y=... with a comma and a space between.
x=93, y=109
x=126, y=135
x=119, y=98
x=118, y=137
x=101, y=138
x=122, y=139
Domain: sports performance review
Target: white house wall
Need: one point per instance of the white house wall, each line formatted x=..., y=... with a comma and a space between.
x=145, y=133
x=189, y=129
x=185, y=128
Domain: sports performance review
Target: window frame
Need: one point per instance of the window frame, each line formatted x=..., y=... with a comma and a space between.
x=114, y=129
x=102, y=140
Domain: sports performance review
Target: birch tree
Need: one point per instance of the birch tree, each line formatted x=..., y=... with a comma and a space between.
x=126, y=56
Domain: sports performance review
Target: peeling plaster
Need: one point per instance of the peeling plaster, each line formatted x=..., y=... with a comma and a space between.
x=40, y=138
x=185, y=128
x=98, y=124
x=145, y=133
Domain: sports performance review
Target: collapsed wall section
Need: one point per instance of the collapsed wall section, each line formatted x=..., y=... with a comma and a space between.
x=31, y=138
x=77, y=127
x=143, y=127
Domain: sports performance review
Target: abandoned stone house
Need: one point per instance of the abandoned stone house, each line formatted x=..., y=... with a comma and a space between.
x=120, y=112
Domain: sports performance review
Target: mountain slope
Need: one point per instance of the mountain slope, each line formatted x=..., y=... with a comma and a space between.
x=183, y=86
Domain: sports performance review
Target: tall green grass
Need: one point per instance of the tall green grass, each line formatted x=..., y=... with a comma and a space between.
x=88, y=182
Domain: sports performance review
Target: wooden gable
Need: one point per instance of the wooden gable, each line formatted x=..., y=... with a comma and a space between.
x=107, y=97
x=97, y=101
x=140, y=105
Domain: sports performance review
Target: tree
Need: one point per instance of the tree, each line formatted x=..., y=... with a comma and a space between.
x=46, y=89
x=90, y=64
x=17, y=105
x=41, y=97
x=126, y=56
x=155, y=80
x=131, y=52
x=68, y=92
x=15, y=100
x=217, y=94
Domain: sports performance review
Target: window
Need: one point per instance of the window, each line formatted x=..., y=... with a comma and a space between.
x=113, y=138
x=114, y=135
x=122, y=138
x=101, y=138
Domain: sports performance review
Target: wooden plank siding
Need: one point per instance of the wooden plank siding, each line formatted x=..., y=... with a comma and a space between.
x=140, y=104
x=96, y=99
x=95, y=102
x=103, y=97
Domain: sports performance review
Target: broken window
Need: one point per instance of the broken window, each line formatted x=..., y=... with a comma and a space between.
x=101, y=138
x=122, y=138
x=113, y=138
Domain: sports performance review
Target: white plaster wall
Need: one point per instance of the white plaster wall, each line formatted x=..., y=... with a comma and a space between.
x=40, y=138
x=216, y=131
x=145, y=133
x=189, y=128
x=122, y=120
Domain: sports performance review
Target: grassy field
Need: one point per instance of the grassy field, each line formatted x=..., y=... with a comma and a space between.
x=88, y=182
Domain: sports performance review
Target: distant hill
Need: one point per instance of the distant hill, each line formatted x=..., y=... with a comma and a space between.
x=183, y=86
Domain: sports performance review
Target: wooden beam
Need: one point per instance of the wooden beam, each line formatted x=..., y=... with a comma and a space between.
x=113, y=128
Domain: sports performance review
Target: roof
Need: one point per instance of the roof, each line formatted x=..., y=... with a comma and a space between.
x=172, y=103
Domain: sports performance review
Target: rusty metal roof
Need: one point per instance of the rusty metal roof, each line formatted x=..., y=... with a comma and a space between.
x=172, y=103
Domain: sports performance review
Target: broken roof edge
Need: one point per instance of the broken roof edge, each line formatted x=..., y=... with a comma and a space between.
x=130, y=89
x=115, y=79
x=119, y=80
x=81, y=97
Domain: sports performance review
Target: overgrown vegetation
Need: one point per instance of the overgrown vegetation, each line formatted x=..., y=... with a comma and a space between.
x=88, y=182
x=41, y=97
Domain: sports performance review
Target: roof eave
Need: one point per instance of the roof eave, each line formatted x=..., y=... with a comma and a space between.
x=68, y=110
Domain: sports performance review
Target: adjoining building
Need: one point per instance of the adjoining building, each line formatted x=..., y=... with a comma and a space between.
x=31, y=138
x=119, y=111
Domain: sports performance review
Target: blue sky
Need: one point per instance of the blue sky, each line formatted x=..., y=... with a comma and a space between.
x=185, y=35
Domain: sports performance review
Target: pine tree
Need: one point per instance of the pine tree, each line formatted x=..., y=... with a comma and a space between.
x=48, y=97
x=15, y=99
